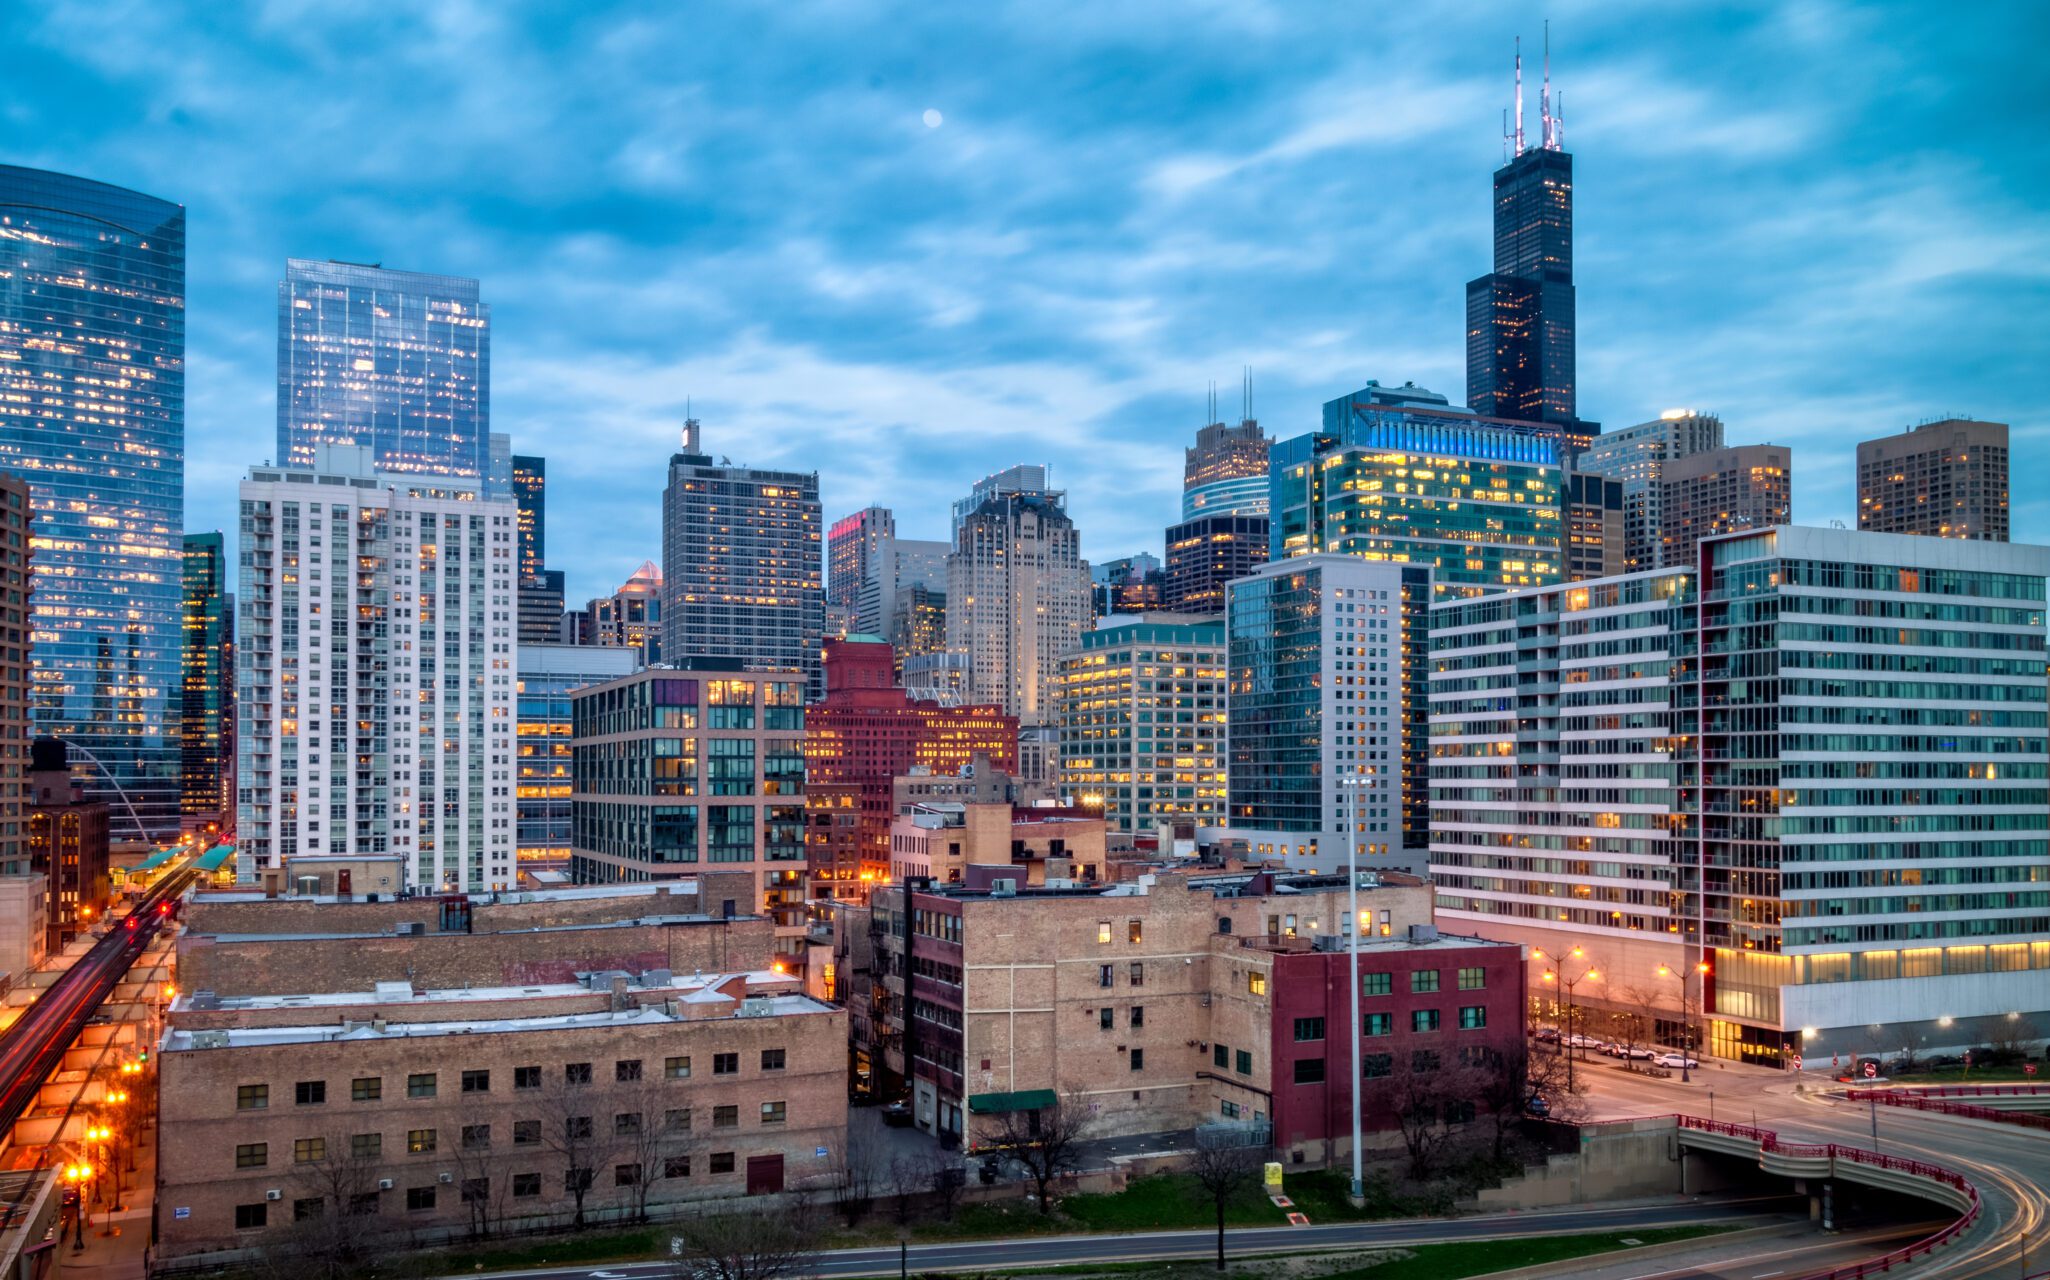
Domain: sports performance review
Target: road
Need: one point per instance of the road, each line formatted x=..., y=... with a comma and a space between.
x=33, y=1046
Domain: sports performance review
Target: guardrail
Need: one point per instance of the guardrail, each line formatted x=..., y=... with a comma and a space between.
x=1941, y=1105
x=1770, y=1143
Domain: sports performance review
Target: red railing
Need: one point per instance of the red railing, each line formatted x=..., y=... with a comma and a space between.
x=1769, y=1141
x=1938, y=1102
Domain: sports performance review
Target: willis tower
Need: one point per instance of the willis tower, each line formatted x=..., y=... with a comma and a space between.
x=1519, y=317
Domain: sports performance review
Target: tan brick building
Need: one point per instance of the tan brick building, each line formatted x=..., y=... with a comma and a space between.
x=941, y=839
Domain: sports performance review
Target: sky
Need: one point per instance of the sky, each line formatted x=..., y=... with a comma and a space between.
x=906, y=246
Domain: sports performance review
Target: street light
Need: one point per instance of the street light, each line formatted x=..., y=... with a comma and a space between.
x=77, y=1175
x=1572, y=1008
x=1686, y=1018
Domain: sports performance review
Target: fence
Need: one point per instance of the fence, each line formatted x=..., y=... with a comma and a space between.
x=1938, y=1101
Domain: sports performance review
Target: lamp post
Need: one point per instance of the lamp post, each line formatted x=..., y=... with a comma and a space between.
x=76, y=1175
x=1572, y=1008
x=1352, y=966
x=1686, y=1018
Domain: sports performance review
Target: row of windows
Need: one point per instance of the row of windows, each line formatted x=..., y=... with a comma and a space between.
x=525, y=1133
x=427, y=1084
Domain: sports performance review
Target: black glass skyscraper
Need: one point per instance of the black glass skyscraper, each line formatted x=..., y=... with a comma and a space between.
x=1519, y=317
x=92, y=415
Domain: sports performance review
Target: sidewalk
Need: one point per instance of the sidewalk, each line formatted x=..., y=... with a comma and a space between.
x=115, y=1241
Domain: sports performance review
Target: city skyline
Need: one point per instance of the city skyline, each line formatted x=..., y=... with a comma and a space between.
x=1848, y=237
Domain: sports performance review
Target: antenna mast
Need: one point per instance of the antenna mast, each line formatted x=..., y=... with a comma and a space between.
x=1519, y=95
x=1546, y=140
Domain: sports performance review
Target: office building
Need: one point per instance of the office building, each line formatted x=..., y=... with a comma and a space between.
x=1397, y=475
x=1142, y=732
x=92, y=415
x=1836, y=798
x=938, y=840
x=1520, y=323
x=1225, y=471
x=1749, y=486
x=542, y=780
x=859, y=738
x=1639, y=456
x=1129, y=584
x=676, y=770
x=375, y=663
x=1018, y=594
x=17, y=522
x=1327, y=661
x=207, y=716
x=918, y=622
x=540, y=608
x=869, y=567
x=1943, y=479
x=540, y=619
x=1208, y=551
x=68, y=835
x=1592, y=511
x=397, y=362
x=854, y=546
x=1025, y=478
x=629, y=618
x=741, y=564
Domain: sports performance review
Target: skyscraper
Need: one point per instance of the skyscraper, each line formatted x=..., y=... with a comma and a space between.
x=1397, y=474
x=375, y=656
x=1225, y=471
x=1593, y=516
x=1142, y=722
x=1945, y=479
x=16, y=536
x=92, y=415
x=854, y=545
x=1638, y=456
x=396, y=361
x=1224, y=526
x=1018, y=595
x=741, y=564
x=207, y=720
x=1520, y=316
x=629, y=618
x=1128, y=584
x=548, y=673
x=1750, y=486
x=540, y=586
x=868, y=565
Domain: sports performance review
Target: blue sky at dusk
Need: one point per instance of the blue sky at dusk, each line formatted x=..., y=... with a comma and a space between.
x=1823, y=221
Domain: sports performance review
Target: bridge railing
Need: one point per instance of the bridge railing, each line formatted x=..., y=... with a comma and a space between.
x=1769, y=1141
x=1917, y=1100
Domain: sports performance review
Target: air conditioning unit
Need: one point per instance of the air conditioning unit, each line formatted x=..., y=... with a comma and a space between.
x=446, y=1177
x=274, y=1194
x=384, y=1184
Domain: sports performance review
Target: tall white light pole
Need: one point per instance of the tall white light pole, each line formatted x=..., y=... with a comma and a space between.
x=1352, y=965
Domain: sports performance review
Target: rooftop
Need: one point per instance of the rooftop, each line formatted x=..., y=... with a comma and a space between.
x=686, y=986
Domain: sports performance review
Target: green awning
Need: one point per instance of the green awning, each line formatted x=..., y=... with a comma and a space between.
x=985, y=1104
x=155, y=860
x=212, y=859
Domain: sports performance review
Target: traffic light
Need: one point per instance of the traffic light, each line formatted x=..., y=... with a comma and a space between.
x=131, y=922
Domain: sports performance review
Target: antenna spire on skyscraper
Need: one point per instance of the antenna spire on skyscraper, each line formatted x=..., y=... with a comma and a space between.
x=1518, y=134
x=1545, y=138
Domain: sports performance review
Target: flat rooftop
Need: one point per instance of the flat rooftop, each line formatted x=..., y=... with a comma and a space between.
x=579, y=926
x=686, y=885
x=397, y=993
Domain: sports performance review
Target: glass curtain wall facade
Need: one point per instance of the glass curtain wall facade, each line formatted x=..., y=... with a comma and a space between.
x=207, y=723
x=92, y=415
x=396, y=361
x=1142, y=724
x=547, y=675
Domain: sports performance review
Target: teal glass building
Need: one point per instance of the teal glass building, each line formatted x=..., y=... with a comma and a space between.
x=92, y=414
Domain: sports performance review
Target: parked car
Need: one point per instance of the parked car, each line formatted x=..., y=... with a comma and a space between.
x=1677, y=1061
x=1579, y=1041
x=1548, y=1035
x=1536, y=1106
x=897, y=1116
x=1634, y=1052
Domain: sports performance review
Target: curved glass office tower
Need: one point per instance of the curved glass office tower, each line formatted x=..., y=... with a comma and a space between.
x=92, y=414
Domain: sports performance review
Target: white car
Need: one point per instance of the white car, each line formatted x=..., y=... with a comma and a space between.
x=1579, y=1041
x=1677, y=1061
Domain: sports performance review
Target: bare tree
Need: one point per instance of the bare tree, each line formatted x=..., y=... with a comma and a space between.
x=1047, y=1141
x=2012, y=1039
x=578, y=1128
x=331, y=1197
x=476, y=1181
x=1228, y=1162
x=945, y=1177
x=1422, y=1094
x=767, y=1242
x=1638, y=1020
x=862, y=1169
x=658, y=1142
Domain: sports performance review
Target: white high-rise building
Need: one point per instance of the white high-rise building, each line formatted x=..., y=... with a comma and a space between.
x=375, y=665
x=1018, y=598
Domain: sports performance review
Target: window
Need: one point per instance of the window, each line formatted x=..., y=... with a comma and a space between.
x=1309, y=1071
x=309, y=1093
x=476, y=1082
x=1220, y=1056
x=1423, y=981
x=252, y=1097
x=626, y=1124
x=526, y=1185
x=252, y=1155
x=1138, y=974
x=248, y=1217
x=676, y=1068
x=1308, y=1029
x=1473, y=978
x=577, y=1128
x=476, y=1190
x=1256, y=984
x=1138, y=1015
x=420, y=1085
x=676, y=1167
x=772, y=1059
x=1106, y=1018
x=1377, y=984
x=722, y=1162
x=308, y=1150
x=1459, y=1112
x=1423, y=1020
x=366, y=1146
x=1105, y=976
x=626, y=1070
x=575, y=1179
x=1473, y=1017
x=727, y=1117
x=419, y=1199
x=419, y=1141
x=1423, y=1061
x=526, y=1077
x=1138, y=1059
x=1243, y=1062
x=725, y=1064
x=773, y=1113
x=1378, y=1024
x=1224, y=924
x=366, y=1089
x=576, y=1073
x=526, y=1133
x=476, y=1137
x=308, y=1209
x=364, y=1204
x=1134, y=932
x=1103, y=931
x=625, y=1175
x=676, y=1119
x=1377, y=1066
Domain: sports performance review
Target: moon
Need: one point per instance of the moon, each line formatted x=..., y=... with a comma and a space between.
x=933, y=119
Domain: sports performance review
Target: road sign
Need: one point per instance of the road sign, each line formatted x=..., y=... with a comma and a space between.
x=1797, y=1062
x=1871, y=1070
x=2028, y=1068
x=1833, y=1062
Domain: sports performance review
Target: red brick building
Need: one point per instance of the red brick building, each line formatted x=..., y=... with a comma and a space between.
x=865, y=733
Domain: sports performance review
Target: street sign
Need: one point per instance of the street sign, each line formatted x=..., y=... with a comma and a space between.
x=1871, y=1070
x=2028, y=1068
x=1797, y=1062
x=182, y=1211
x=1833, y=1063
x=820, y=1152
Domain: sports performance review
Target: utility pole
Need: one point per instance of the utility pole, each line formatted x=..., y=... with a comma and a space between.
x=1352, y=965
